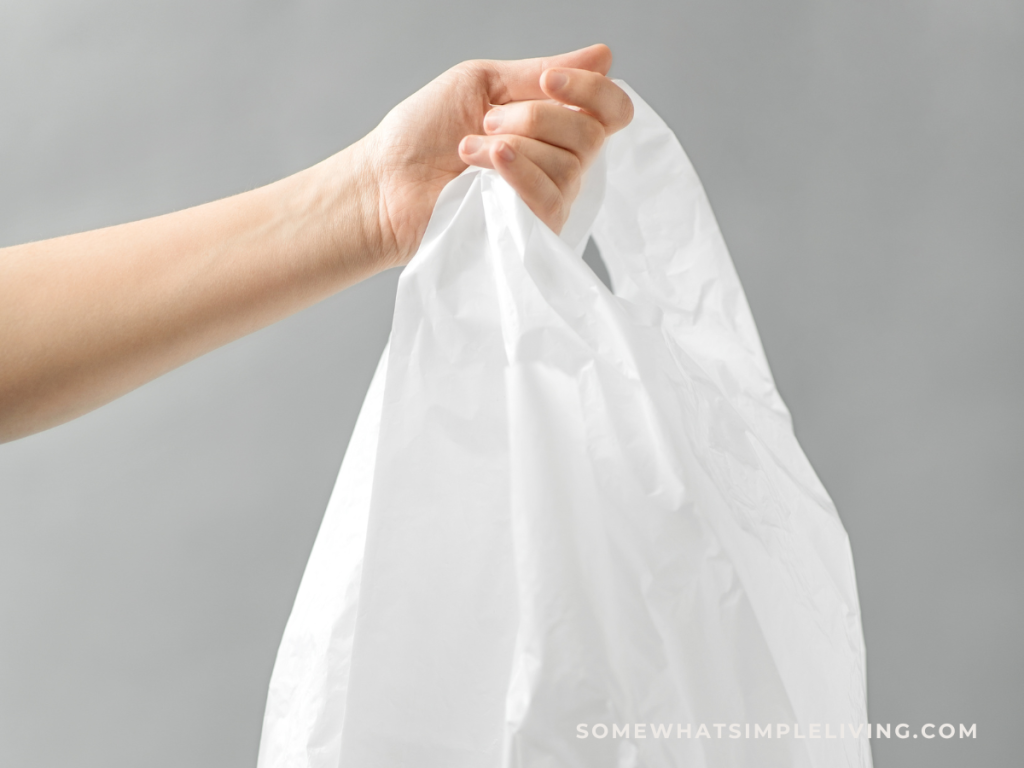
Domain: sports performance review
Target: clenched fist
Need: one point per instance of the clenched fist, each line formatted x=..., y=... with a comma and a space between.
x=538, y=122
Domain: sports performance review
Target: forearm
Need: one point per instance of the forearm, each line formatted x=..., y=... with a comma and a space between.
x=88, y=317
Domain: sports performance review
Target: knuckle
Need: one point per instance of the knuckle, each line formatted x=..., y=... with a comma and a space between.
x=553, y=206
x=515, y=141
x=467, y=68
x=573, y=167
x=591, y=135
x=477, y=73
x=467, y=73
x=572, y=189
x=566, y=172
x=625, y=110
x=533, y=117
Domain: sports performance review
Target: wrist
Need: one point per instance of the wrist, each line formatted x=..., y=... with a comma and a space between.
x=343, y=193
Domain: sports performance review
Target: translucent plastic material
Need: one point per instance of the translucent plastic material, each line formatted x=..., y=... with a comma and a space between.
x=566, y=508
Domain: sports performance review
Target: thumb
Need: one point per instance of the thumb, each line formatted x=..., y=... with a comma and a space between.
x=520, y=80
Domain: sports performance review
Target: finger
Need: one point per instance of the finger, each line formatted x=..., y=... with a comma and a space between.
x=562, y=167
x=517, y=80
x=592, y=92
x=538, y=190
x=550, y=122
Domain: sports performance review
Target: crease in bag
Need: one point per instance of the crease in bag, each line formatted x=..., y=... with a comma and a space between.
x=564, y=506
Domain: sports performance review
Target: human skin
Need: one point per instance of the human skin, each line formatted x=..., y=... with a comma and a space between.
x=88, y=317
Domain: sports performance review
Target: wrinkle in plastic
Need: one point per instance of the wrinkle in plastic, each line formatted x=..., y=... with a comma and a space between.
x=562, y=505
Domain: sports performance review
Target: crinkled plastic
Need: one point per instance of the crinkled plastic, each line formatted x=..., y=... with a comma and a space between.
x=564, y=506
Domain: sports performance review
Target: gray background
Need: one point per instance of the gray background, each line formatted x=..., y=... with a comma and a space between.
x=865, y=162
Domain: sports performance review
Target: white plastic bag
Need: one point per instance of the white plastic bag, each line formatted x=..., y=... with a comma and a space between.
x=563, y=508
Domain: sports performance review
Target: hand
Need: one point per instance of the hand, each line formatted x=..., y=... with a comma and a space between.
x=512, y=116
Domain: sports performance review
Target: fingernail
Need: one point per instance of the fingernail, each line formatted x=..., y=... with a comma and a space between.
x=493, y=119
x=471, y=144
x=506, y=153
x=557, y=80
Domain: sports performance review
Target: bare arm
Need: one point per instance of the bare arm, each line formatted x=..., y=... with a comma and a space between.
x=88, y=317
